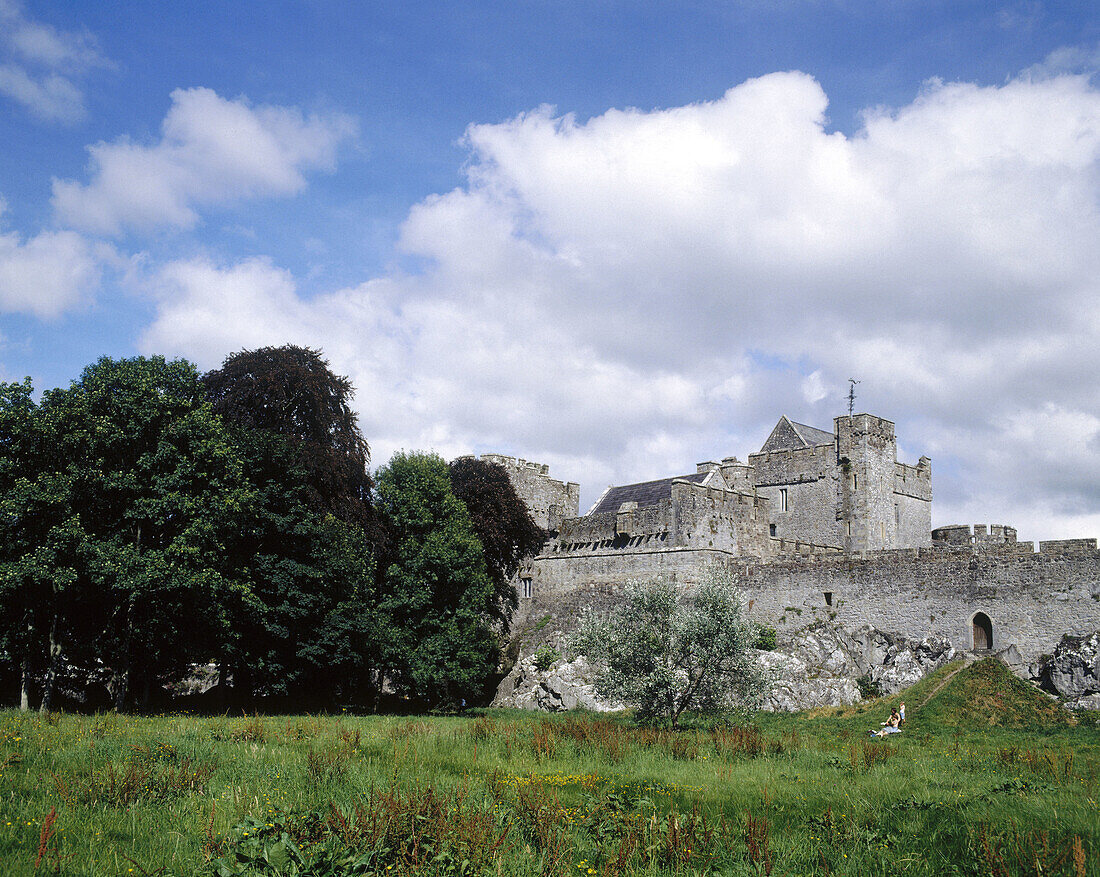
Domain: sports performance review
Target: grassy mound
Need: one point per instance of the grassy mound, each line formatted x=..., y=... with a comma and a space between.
x=984, y=694
x=954, y=698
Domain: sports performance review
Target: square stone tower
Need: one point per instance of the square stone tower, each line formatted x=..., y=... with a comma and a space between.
x=844, y=489
x=866, y=452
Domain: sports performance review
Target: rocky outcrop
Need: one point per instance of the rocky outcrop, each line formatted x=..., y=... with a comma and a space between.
x=818, y=667
x=792, y=685
x=1073, y=671
x=565, y=686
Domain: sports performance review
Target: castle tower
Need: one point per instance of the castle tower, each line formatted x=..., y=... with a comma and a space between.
x=866, y=513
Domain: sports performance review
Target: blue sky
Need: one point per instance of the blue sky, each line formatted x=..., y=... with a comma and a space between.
x=615, y=237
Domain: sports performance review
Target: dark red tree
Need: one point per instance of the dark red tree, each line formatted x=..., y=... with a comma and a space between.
x=502, y=524
x=292, y=392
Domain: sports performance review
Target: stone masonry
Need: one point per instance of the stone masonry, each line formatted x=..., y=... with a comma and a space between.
x=816, y=526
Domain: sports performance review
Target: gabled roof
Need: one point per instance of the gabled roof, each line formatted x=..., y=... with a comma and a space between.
x=644, y=493
x=788, y=434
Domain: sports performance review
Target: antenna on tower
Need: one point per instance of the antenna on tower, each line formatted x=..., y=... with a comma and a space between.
x=852, y=395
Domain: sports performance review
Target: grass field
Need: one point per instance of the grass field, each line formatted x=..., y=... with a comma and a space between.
x=989, y=778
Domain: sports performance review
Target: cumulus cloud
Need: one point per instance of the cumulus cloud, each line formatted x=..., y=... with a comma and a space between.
x=40, y=65
x=212, y=150
x=46, y=274
x=625, y=295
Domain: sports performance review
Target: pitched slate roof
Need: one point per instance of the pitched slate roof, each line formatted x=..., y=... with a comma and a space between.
x=644, y=493
x=812, y=435
x=788, y=434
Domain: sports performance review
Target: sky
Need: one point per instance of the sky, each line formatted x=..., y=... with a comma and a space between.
x=618, y=238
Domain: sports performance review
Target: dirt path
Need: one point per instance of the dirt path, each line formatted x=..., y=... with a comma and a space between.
x=966, y=661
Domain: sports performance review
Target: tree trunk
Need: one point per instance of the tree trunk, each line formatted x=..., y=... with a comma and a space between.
x=51, y=666
x=242, y=685
x=122, y=678
x=25, y=668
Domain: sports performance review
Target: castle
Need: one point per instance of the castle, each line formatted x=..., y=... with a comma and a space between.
x=816, y=525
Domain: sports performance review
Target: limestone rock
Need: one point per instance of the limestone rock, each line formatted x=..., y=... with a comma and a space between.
x=1088, y=702
x=892, y=661
x=1073, y=671
x=565, y=686
x=818, y=667
x=792, y=685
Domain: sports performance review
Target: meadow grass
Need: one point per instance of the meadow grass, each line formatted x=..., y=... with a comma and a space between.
x=988, y=778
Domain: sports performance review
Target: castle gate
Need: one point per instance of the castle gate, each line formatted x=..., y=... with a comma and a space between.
x=983, y=632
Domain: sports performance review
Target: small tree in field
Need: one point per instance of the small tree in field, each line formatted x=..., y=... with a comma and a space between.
x=664, y=656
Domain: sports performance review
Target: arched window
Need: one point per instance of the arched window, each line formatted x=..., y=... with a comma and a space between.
x=983, y=631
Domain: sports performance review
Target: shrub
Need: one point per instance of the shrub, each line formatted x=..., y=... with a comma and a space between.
x=765, y=638
x=546, y=657
x=665, y=656
x=868, y=687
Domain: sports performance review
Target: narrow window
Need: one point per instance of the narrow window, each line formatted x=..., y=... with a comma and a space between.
x=897, y=515
x=526, y=587
x=855, y=481
x=849, y=525
x=783, y=500
x=771, y=529
x=828, y=598
x=882, y=530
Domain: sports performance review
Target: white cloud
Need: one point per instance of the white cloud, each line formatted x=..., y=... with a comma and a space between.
x=624, y=296
x=46, y=274
x=813, y=387
x=39, y=65
x=211, y=151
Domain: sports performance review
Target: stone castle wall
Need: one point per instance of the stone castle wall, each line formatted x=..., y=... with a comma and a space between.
x=694, y=517
x=813, y=533
x=1031, y=598
x=808, y=475
x=852, y=493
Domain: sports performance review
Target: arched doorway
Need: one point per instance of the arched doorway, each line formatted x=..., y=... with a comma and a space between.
x=983, y=632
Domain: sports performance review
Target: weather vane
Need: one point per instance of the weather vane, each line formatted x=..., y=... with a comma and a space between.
x=852, y=396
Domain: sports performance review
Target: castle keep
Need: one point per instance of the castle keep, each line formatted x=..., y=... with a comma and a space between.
x=816, y=525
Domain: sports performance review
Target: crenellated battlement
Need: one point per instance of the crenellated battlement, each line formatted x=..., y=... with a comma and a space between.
x=976, y=534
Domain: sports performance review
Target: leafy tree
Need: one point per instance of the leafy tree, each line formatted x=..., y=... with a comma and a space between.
x=664, y=656
x=438, y=598
x=302, y=546
x=21, y=523
x=290, y=391
x=128, y=483
x=308, y=633
x=502, y=523
x=142, y=533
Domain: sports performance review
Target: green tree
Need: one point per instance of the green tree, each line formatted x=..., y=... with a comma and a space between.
x=308, y=633
x=438, y=598
x=129, y=482
x=309, y=542
x=503, y=526
x=664, y=656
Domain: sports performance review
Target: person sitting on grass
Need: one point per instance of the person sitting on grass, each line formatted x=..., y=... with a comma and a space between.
x=890, y=726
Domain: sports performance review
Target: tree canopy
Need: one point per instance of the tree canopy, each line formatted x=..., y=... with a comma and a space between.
x=663, y=656
x=438, y=598
x=292, y=392
x=125, y=485
x=152, y=520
